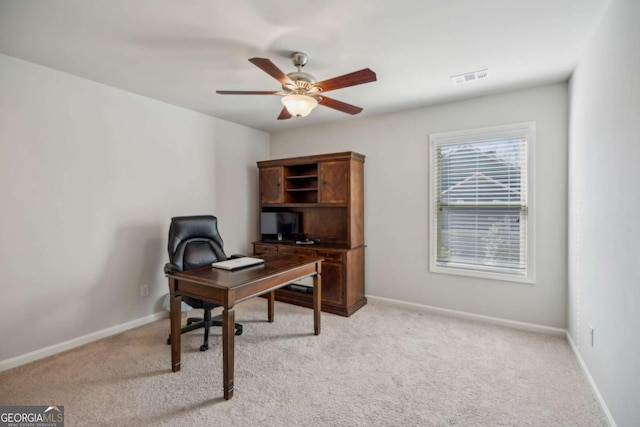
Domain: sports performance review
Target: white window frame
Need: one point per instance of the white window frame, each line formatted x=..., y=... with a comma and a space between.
x=528, y=130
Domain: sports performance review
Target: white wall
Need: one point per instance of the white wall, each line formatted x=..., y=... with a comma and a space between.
x=604, y=202
x=89, y=179
x=236, y=176
x=396, y=201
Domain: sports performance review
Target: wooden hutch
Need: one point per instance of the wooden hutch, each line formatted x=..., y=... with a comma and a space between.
x=328, y=192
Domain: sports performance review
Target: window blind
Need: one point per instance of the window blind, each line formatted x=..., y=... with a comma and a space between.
x=481, y=206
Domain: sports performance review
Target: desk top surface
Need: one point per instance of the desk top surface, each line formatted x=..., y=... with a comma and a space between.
x=274, y=265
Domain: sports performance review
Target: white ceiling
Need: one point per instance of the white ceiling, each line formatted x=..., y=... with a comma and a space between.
x=181, y=52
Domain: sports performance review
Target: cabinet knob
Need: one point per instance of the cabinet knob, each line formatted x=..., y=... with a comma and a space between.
x=324, y=182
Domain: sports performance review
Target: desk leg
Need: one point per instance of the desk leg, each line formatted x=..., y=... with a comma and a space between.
x=175, y=305
x=317, y=299
x=271, y=298
x=228, y=348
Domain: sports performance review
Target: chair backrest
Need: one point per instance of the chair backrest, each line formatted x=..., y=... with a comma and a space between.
x=194, y=241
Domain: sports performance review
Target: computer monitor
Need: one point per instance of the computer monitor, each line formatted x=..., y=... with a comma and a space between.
x=286, y=224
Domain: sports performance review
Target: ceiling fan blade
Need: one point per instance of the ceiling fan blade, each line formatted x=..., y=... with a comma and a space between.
x=284, y=114
x=352, y=79
x=270, y=68
x=339, y=105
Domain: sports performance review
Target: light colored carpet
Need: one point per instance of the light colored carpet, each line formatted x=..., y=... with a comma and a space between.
x=382, y=366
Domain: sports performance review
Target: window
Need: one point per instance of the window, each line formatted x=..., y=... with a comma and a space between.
x=481, y=202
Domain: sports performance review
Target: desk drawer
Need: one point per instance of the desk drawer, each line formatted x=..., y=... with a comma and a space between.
x=329, y=255
x=264, y=249
x=295, y=250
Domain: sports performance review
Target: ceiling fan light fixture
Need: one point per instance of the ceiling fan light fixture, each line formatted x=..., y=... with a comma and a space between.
x=299, y=105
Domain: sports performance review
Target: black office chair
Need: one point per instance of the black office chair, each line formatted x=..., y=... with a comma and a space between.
x=194, y=242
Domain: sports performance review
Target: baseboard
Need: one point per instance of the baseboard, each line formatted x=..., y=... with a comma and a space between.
x=77, y=342
x=462, y=314
x=592, y=383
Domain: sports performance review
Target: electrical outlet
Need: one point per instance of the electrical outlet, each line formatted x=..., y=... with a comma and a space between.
x=591, y=335
x=144, y=290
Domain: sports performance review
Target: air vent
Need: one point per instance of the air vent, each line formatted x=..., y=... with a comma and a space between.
x=470, y=77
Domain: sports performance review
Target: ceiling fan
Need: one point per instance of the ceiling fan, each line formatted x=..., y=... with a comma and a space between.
x=301, y=92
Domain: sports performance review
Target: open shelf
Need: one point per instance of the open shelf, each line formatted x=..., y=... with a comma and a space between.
x=302, y=177
x=301, y=183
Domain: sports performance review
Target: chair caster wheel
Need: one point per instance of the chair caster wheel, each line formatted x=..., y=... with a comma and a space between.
x=239, y=331
x=204, y=347
x=168, y=341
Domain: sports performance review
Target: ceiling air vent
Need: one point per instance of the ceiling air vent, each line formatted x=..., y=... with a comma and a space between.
x=470, y=77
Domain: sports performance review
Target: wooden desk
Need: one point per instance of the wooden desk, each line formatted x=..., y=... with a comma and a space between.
x=227, y=288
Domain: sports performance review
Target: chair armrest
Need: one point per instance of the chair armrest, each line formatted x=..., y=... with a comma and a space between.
x=170, y=268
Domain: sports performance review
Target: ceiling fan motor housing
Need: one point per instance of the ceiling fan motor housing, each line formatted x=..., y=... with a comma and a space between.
x=302, y=81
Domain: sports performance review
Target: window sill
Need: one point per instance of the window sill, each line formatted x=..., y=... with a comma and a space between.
x=482, y=274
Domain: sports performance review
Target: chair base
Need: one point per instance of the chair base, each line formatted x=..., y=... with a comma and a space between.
x=194, y=323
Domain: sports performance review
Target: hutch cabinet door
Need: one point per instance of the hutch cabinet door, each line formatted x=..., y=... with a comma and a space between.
x=334, y=182
x=271, y=190
x=332, y=283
